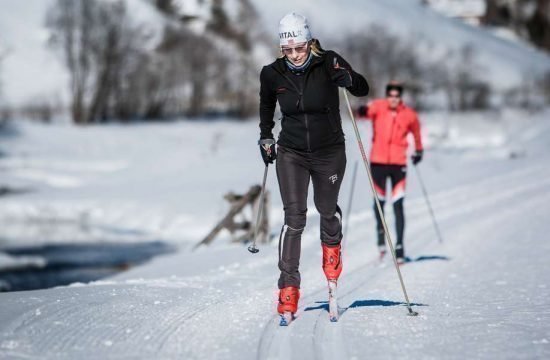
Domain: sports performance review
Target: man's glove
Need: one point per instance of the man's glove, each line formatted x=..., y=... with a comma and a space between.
x=417, y=156
x=362, y=111
x=340, y=76
x=267, y=149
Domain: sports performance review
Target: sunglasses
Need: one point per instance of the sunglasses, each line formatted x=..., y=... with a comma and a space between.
x=394, y=96
x=300, y=49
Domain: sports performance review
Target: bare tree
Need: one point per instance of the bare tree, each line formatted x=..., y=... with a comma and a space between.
x=113, y=76
x=71, y=22
x=383, y=56
x=167, y=6
x=538, y=25
x=98, y=44
x=466, y=88
x=530, y=19
x=117, y=51
x=544, y=85
x=240, y=84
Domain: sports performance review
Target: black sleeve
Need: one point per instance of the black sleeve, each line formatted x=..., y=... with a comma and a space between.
x=359, y=85
x=268, y=102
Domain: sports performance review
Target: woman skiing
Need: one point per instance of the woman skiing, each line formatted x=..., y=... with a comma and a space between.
x=392, y=122
x=304, y=80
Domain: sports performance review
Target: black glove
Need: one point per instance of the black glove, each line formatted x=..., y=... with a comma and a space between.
x=417, y=156
x=362, y=111
x=340, y=76
x=267, y=149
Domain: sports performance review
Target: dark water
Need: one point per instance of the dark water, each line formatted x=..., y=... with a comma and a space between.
x=71, y=263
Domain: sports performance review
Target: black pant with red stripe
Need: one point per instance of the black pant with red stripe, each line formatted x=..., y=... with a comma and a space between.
x=397, y=175
x=325, y=168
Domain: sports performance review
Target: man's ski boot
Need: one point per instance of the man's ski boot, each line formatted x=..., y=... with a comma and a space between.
x=288, y=304
x=381, y=244
x=400, y=254
x=332, y=267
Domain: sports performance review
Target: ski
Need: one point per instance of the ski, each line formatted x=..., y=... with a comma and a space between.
x=402, y=261
x=286, y=318
x=332, y=301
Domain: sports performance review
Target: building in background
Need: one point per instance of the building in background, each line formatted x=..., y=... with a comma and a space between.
x=470, y=11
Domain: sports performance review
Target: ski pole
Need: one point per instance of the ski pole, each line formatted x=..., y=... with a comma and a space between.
x=350, y=198
x=380, y=212
x=429, y=204
x=252, y=248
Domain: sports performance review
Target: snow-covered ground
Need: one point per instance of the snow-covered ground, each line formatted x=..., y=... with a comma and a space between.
x=482, y=293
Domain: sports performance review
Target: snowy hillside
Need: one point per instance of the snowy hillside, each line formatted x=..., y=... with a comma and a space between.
x=32, y=72
x=483, y=293
x=505, y=63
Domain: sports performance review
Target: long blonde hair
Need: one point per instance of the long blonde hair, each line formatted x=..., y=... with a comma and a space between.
x=314, y=45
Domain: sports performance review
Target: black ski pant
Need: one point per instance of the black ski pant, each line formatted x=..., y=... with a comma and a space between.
x=325, y=168
x=397, y=175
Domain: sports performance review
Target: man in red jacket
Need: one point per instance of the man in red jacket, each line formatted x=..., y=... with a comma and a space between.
x=392, y=121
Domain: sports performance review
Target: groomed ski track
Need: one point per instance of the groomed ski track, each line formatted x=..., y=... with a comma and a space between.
x=482, y=293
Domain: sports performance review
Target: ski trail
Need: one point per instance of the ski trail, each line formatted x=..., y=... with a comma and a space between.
x=470, y=198
x=329, y=340
x=458, y=195
x=167, y=317
x=274, y=340
x=329, y=343
x=531, y=198
x=472, y=314
x=129, y=331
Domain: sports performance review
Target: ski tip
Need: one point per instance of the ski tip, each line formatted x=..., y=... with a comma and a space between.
x=403, y=260
x=286, y=319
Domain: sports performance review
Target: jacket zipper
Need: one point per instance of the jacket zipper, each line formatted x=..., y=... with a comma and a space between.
x=305, y=115
x=301, y=100
x=394, y=115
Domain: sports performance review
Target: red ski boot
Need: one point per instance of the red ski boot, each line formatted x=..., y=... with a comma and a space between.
x=288, y=304
x=332, y=261
x=332, y=266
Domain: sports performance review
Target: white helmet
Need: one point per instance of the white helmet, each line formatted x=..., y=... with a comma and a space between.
x=293, y=29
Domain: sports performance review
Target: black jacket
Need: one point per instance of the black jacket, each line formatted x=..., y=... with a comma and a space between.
x=311, y=108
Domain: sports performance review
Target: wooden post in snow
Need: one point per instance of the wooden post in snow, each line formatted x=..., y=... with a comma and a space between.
x=238, y=206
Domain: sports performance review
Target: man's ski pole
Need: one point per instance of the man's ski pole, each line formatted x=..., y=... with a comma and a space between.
x=350, y=198
x=429, y=204
x=252, y=248
x=380, y=212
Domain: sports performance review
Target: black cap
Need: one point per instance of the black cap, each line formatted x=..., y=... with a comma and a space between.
x=393, y=85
